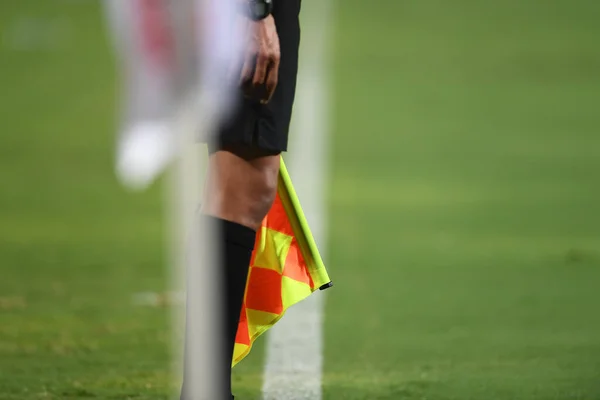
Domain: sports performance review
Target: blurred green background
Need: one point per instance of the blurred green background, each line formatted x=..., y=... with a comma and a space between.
x=464, y=208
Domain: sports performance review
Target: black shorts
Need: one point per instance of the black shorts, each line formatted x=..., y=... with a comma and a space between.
x=266, y=126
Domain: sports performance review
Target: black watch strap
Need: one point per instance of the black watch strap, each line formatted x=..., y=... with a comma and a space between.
x=258, y=9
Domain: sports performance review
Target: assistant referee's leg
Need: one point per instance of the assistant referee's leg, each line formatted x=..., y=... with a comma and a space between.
x=240, y=189
x=241, y=185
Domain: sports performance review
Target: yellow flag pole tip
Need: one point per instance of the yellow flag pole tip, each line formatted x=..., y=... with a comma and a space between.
x=326, y=286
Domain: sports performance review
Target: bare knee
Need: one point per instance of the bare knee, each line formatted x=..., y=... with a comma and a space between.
x=259, y=191
x=241, y=185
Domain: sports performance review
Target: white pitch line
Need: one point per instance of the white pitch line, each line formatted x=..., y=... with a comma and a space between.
x=294, y=345
x=294, y=359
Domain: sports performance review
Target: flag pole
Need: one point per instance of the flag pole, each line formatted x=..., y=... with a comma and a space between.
x=193, y=266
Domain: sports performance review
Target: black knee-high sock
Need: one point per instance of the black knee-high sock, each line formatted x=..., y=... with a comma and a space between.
x=235, y=244
x=238, y=241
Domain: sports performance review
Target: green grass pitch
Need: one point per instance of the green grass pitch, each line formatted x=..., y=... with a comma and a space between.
x=464, y=209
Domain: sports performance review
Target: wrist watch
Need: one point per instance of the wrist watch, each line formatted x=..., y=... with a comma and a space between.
x=258, y=10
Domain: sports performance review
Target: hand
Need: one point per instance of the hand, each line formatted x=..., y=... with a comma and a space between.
x=260, y=71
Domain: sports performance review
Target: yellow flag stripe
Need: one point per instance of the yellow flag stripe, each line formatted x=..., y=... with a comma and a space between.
x=273, y=251
x=301, y=229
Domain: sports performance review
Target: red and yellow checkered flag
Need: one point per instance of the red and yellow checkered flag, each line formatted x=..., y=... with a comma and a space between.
x=285, y=268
